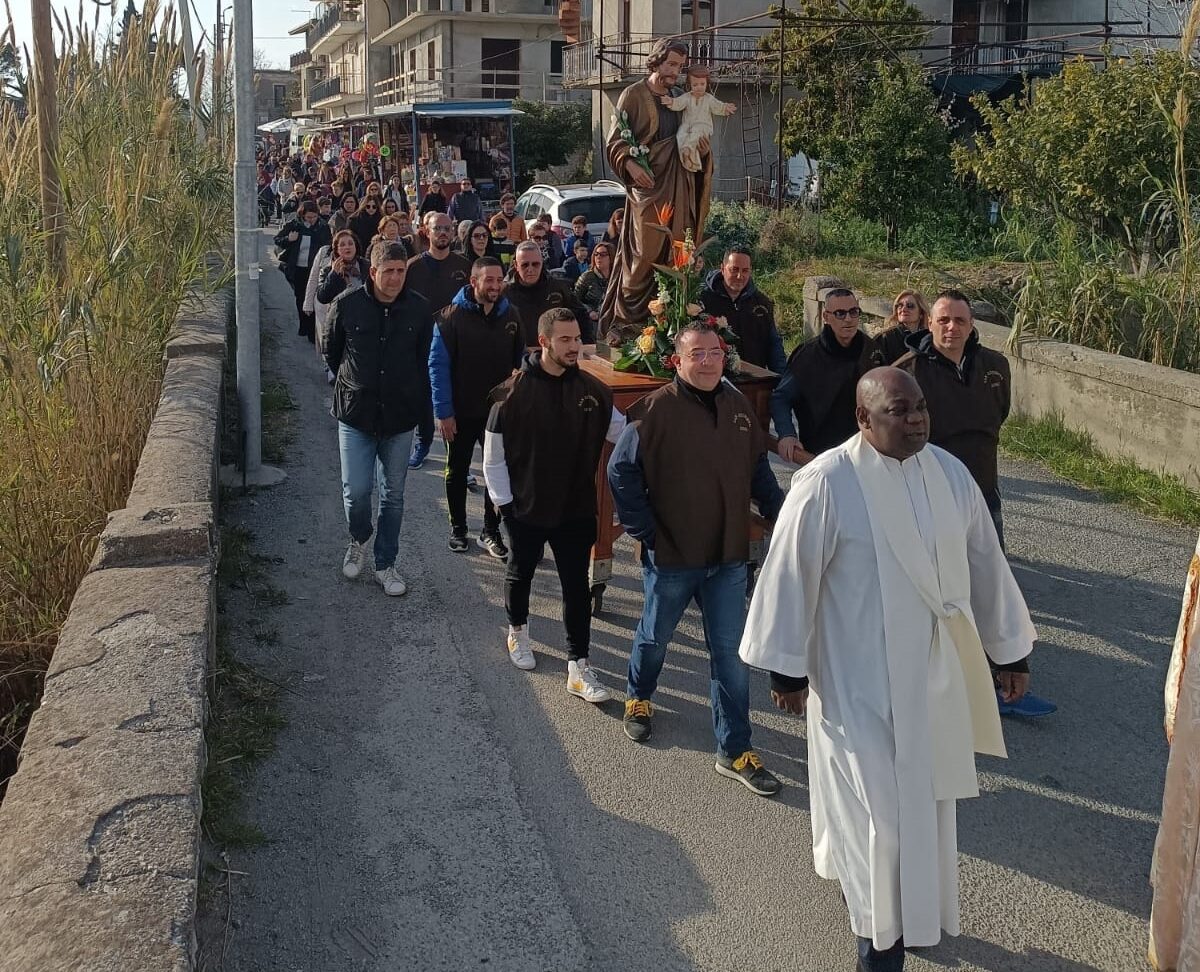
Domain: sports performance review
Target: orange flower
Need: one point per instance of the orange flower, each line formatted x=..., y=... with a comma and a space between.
x=681, y=256
x=664, y=213
x=651, y=330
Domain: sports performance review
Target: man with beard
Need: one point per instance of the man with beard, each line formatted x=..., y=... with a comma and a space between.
x=533, y=291
x=516, y=226
x=731, y=293
x=883, y=596
x=477, y=344
x=813, y=404
x=376, y=342
x=437, y=274
x=544, y=439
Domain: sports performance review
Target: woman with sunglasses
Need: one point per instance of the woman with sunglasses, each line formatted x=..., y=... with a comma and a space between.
x=478, y=243
x=909, y=315
x=365, y=223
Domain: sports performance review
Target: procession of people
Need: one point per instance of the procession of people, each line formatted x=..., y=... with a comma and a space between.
x=885, y=611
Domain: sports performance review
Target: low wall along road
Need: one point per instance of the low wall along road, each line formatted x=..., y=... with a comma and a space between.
x=1145, y=412
x=100, y=830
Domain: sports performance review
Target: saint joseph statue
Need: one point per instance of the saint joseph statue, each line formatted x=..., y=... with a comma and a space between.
x=661, y=205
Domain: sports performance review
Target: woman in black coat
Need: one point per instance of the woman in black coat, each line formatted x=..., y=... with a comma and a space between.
x=365, y=223
x=301, y=238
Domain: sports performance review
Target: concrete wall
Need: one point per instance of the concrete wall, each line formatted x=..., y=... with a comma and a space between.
x=1145, y=412
x=100, y=831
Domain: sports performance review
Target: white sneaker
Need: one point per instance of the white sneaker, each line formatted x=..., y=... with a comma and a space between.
x=582, y=681
x=352, y=563
x=519, y=652
x=392, y=583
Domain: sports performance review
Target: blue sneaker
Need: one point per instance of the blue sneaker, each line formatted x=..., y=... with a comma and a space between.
x=416, y=458
x=1028, y=705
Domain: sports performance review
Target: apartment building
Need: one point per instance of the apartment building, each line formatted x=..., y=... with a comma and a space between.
x=364, y=55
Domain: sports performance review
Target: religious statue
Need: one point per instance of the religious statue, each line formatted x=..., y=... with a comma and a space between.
x=665, y=201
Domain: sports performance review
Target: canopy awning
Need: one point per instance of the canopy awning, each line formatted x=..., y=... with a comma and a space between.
x=279, y=126
x=452, y=109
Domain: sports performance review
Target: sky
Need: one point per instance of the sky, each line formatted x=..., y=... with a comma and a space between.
x=272, y=21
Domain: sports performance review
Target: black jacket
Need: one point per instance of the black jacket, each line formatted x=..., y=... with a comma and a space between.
x=531, y=301
x=751, y=315
x=320, y=236
x=967, y=402
x=380, y=354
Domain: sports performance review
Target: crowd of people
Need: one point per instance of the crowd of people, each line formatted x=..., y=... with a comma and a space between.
x=473, y=329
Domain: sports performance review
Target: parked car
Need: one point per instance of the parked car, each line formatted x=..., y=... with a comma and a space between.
x=595, y=200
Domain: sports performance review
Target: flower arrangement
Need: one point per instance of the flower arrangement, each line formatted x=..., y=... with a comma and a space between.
x=674, y=307
x=637, y=151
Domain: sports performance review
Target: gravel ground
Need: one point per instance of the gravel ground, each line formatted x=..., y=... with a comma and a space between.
x=431, y=807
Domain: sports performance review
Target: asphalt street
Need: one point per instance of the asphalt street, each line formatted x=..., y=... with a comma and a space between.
x=429, y=806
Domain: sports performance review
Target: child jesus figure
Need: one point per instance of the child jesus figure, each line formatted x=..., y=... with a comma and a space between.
x=698, y=107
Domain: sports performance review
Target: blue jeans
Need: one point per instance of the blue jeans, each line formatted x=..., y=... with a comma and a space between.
x=720, y=593
x=366, y=458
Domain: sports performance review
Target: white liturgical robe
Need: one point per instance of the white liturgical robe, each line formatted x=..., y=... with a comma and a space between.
x=888, y=610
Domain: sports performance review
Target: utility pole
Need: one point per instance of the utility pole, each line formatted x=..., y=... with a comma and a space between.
x=218, y=77
x=189, y=67
x=247, y=242
x=780, y=175
x=45, y=75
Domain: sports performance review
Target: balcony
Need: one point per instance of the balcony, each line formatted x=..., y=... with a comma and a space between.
x=625, y=57
x=335, y=91
x=301, y=58
x=1031, y=56
x=334, y=23
x=473, y=85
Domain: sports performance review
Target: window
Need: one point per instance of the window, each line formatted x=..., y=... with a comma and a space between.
x=533, y=206
x=556, y=56
x=412, y=65
x=597, y=209
x=500, y=67
x=696, y=14
x=431, y=60
x=280, y=94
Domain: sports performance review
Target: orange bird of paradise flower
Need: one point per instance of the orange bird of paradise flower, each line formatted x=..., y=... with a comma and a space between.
x=680, y=255
x=664, y=213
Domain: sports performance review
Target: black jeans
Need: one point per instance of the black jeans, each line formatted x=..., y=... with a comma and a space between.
x=424, y=436
x=298, y=278
x=458, y=464
x=571, y=543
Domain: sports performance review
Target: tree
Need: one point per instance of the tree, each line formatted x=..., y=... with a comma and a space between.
x=832, y=52
x=13, y=85
x=897, y=166
x=545, y=134
x=1092, y=146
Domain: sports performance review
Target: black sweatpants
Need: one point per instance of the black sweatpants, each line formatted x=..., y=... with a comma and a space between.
x=571, y=543
x=298, y=278
x=458, y=464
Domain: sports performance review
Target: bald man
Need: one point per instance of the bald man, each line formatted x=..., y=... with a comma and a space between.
x=880, y=618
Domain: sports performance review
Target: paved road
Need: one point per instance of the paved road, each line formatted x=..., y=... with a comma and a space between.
x=431, y=807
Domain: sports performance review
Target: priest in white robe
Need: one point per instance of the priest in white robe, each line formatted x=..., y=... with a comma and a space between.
x=884, y=588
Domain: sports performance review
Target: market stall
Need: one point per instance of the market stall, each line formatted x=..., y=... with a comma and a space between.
x=448, y=141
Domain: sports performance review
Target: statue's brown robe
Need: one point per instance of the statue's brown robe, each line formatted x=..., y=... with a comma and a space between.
x=644, y=242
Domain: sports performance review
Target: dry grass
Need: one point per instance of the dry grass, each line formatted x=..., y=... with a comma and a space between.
x=81, y=357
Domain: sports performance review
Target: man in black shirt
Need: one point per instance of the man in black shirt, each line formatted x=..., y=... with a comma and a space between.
x=533, y=291
x=378, y=347
x=543, y=443
x=813, y=404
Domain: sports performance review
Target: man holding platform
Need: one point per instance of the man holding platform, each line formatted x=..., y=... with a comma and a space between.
x=886, y=589
x=663, y=203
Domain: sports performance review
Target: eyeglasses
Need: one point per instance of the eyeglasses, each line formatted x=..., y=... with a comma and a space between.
x=479, y=236
x=854, y=313
x=529, y=264
x=538, y=239
x=906, y=305
x=701, y=355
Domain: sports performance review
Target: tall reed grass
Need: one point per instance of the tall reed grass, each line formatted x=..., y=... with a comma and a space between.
x=81, y=357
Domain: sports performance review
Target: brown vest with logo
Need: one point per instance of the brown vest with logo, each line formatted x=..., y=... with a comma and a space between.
x=698, y=473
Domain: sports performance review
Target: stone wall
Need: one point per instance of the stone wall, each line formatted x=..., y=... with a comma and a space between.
x=100, y=830
x=1145, y=412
